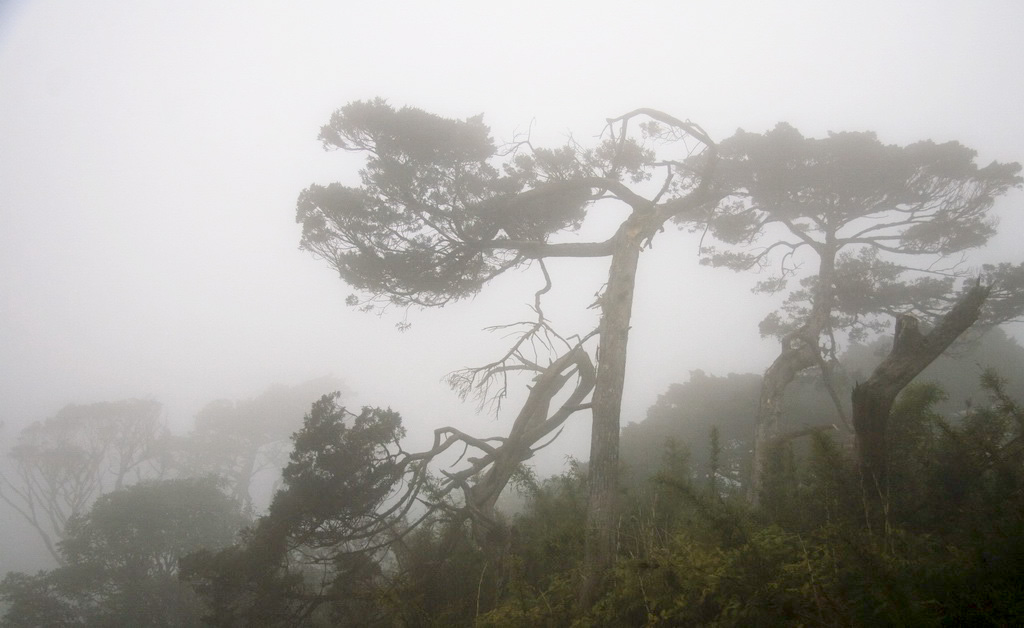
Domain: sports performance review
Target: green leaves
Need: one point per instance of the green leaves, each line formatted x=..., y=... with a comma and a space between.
x=418, y=229
x=339, y=473
x=853, y=186
x=441, y=211
x=847, y=199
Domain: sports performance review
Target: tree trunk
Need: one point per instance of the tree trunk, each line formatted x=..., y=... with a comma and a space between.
x=532, y=424
x=616, y=310
x=911, y=353
x=795, y=358
x=800, y=351
x=603, y=479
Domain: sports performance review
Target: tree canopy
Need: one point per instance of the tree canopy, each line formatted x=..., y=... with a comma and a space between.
x=326, y=521
x=848, y=199
x=850, y=188
x=434, y=220
x=876, y=220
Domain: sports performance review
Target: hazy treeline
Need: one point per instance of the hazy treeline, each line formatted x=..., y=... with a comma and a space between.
x=120, y=554
x=59, y=466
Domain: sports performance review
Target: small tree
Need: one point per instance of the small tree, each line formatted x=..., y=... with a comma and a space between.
x=64, y=463
x=844, y=203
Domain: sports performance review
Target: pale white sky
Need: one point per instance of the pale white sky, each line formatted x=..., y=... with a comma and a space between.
x=151, y=154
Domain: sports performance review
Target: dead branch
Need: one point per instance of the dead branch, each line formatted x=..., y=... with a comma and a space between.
x=488, y=384
x=912, y=351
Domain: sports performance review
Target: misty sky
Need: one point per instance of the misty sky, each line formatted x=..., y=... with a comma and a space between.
x=151, y=154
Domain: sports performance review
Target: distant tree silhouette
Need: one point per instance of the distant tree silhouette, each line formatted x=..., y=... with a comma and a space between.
x=65, y=462
x=120, y=559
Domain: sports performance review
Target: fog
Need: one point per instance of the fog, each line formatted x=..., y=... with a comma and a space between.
x=152, y=154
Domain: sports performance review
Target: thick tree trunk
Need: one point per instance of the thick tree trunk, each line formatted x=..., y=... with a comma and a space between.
x=911, y=353
x=800, y=355
x=800, y=351
x=616, y=310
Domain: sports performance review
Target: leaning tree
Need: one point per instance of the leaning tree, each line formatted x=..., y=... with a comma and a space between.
x=442, y=210
x=884, y=226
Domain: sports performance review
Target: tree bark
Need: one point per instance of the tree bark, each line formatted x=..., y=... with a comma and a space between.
x=616, y=311
x=793, y=359
x=800, y=351
x=911, y=353
x=532, y=424
x=603, y=477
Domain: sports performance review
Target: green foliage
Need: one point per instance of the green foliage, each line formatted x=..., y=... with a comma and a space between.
x=418, y=228
x=945, y=550
x=846, y=200
x=548, y=536
x=40, y=600
x=339, y=474
x=939, y=545
x=686, y=413
x=546, y=550
x=942, y=546
x=442, y=578
x=144, y=529
x=316, y=554
x=693, y=583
